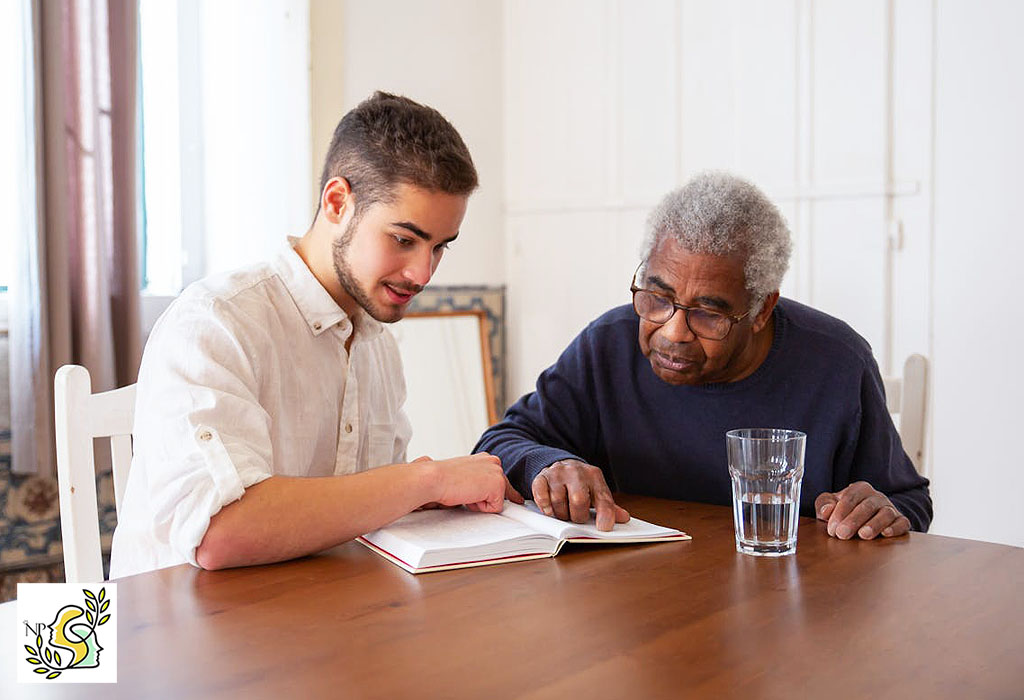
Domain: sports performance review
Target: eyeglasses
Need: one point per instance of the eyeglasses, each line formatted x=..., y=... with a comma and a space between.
x=658, y=308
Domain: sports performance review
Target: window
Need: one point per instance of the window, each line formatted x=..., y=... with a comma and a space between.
x=171, y=176
x=17, y=142
x=225, y=135
x=224, y=152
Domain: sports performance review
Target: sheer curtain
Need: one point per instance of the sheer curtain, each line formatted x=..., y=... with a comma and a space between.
x=75, y=294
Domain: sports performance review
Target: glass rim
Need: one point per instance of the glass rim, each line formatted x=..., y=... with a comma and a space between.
x=765, y=434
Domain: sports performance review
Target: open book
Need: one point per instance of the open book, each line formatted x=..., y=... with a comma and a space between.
x=434, y=540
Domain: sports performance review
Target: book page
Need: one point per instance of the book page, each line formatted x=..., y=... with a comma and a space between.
x=455, y=535
x=636, y=529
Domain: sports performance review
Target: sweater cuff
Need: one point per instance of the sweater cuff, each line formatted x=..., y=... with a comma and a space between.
x=919, y=515
x=539, y=459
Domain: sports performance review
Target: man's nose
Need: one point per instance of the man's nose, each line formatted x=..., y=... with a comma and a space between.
x=420, y=268
x=676, y=329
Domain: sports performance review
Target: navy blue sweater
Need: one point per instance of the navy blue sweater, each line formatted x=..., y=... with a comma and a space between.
x=602, y=403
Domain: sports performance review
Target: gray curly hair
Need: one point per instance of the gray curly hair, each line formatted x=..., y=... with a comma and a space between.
x=716, y=213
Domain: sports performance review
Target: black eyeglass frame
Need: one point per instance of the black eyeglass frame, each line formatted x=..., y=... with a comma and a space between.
x=733, y=319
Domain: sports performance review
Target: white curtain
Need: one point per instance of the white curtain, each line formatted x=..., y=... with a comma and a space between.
x=75, y=294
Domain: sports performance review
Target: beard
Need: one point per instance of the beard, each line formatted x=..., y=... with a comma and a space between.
x=385, y=313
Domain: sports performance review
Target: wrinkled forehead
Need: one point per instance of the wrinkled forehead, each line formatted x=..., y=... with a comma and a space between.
x=671, y=259
x=688, y=276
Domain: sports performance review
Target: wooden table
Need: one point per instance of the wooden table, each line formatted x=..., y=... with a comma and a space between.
x=920, y=616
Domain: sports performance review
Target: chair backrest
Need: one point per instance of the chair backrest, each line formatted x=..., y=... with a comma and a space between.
x=81, y=416
x=906, y=398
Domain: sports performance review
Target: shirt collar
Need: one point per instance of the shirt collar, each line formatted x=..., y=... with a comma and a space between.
x=316, y=305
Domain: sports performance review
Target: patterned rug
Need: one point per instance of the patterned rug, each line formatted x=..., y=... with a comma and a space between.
x=30, y=544
x=5, y=408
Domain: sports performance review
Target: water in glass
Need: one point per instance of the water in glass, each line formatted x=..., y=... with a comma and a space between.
x=766, y=466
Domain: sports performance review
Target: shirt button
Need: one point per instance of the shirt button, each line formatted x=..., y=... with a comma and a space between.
x=317, y=326
x=348, y=427
x=206, y=436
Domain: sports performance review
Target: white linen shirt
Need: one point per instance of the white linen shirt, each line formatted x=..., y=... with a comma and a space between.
x=246, y=376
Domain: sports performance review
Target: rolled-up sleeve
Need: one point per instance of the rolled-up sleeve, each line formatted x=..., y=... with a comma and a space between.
x=201, y=434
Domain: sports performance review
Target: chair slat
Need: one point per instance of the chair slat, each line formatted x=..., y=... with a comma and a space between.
x=913, y=408
x=893, y=386
x=120, y=461
x=80, y=417
x=112, y=412
x=906, y=398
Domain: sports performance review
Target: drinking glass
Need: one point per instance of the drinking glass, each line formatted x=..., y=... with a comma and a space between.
x=766, y=466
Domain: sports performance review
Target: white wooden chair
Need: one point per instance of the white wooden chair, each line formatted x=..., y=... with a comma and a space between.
x=82, y=416
x=906, y=398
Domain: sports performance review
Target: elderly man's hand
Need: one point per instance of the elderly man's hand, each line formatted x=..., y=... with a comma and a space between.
x=567, y=490
x=860, y=510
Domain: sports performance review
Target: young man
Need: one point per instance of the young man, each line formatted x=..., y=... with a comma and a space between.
x=269, y=419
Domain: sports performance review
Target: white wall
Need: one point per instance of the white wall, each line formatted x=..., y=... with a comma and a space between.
x=979, y=376
x=447, y=54
x=591, y=141
x=256, y=128
x=887, y=131
x=327, y=60
x=226, y=119
x=604, y=119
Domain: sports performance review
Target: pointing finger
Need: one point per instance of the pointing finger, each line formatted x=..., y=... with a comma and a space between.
x=542, y=495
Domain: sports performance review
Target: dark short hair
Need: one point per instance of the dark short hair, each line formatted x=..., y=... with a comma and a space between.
x=389, y=139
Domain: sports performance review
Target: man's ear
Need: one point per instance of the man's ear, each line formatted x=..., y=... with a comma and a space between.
x=336, y=199
x=761, y=320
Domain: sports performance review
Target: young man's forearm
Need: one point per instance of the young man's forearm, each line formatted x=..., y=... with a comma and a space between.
x=283, y=517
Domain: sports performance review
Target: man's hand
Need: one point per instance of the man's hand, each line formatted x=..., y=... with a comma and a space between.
x=860, y=510
x=271, y=522
x=567, y=490
x=476, y=481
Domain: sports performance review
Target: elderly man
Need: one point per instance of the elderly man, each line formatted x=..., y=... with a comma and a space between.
x=642, y=398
